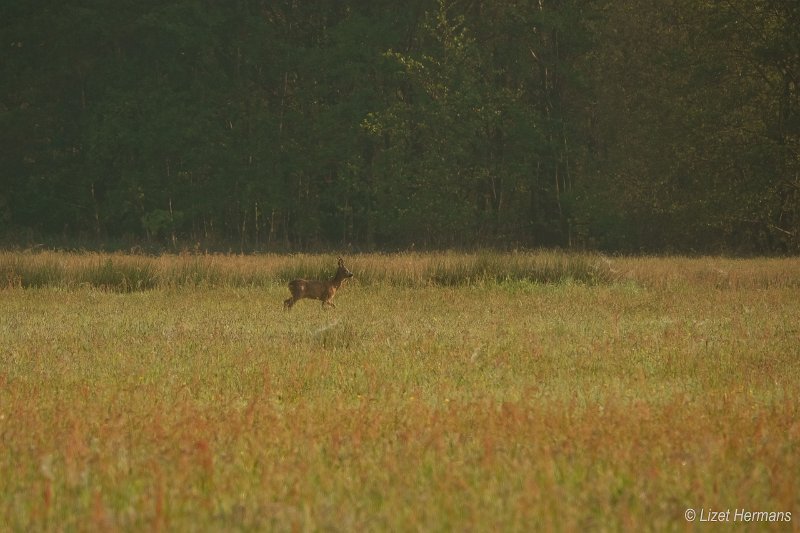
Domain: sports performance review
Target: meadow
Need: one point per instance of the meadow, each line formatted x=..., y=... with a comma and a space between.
x=447, y=391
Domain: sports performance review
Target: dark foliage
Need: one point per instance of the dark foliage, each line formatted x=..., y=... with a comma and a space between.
x=255, y=125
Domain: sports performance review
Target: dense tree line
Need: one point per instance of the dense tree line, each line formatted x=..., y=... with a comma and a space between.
x=264, y=124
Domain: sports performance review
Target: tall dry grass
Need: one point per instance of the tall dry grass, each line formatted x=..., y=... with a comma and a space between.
x=133, y=272
x=709, y=272
x=126, y=273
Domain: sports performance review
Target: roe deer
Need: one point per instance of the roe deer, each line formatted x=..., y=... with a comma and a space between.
x=317, y=290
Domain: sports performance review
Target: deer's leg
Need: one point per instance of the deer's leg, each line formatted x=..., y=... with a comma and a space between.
x=329, y=303
x=288, y=303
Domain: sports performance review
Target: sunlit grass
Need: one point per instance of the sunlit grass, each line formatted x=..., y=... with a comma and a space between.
x=489, y=403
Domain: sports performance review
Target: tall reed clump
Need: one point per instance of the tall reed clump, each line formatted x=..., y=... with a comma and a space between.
x=126, y=274
x=710, y=272
x=412, y=269
x=191, y=271
x=31, y=270
x=541, y=267
x=113, y=272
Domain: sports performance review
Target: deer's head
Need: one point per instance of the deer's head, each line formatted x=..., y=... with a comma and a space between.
x=343, y=272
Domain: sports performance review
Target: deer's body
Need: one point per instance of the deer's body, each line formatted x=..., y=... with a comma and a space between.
x=317, y=290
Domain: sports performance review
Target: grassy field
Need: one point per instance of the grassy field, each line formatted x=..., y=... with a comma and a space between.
x=530, y=391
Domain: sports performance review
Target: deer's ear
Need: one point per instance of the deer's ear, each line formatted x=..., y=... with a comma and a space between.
x=341, y=262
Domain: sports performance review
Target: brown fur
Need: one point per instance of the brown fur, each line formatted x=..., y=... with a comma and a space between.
x=317, y=290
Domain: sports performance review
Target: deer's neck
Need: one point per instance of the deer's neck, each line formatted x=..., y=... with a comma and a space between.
x=337, y=280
